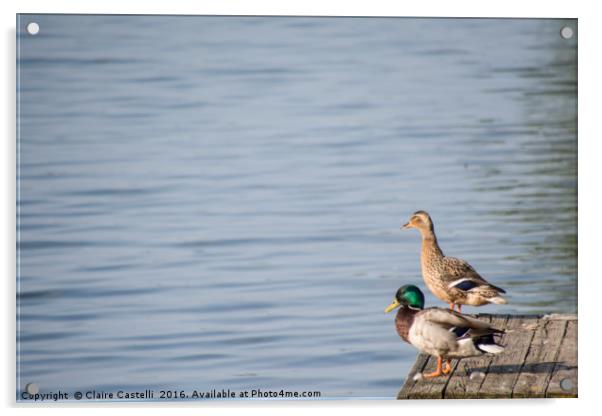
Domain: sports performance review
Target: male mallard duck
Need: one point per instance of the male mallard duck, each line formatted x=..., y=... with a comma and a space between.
x=452, y=280
x=443, y=333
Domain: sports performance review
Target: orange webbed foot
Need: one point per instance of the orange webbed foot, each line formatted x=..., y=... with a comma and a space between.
x=447, y=367
x=437, y=372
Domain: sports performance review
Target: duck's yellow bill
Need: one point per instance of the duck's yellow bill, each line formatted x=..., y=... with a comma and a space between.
x=392, y=306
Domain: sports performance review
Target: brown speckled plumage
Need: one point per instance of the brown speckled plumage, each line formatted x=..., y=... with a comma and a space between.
x=442, y=274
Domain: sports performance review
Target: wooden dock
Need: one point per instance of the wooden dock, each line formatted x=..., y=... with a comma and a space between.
x=540, y=360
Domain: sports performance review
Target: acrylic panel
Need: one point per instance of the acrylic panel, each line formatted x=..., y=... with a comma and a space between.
x=209, y=207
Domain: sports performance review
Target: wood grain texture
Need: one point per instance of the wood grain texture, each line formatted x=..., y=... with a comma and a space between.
x=566, y=365
x=539, y=364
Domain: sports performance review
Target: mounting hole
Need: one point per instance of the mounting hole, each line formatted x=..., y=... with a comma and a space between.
x=566, y=384
x=33, y=28
x=32, y=388
x=566, y=32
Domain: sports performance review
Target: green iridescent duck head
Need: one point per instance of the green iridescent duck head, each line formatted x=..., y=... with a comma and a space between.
x=408, y=295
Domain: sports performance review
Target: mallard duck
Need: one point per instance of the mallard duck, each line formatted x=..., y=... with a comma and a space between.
x=452, y=280
x=443, y=333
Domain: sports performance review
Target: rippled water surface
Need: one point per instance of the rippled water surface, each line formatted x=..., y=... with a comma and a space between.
x=215, y=202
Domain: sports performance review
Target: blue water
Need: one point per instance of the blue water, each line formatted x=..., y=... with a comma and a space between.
x=215, y=202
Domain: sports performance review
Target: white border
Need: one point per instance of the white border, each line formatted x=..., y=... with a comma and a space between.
x=590, y=212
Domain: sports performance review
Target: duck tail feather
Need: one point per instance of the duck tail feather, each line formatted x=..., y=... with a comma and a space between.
x=486, y=343
x=490, y=348
x=497, y=288
x=498, y=300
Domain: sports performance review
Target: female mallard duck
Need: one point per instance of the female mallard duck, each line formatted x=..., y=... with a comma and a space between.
x=443, y=333
x=452, y=280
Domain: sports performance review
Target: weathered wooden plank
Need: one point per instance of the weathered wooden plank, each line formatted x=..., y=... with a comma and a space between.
x=408, y=386
x=428, y=388
x=431, y=388
x=504, y=368
x=540, y=360
x=563, y=382
x=467, y=377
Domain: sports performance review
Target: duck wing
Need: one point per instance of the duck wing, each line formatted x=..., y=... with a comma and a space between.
x=441, y=331
x=461, y=275
x=461, y=325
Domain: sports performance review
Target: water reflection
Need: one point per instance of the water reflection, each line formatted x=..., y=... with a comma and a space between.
x=542, y=159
